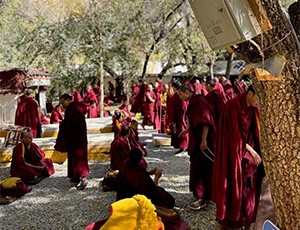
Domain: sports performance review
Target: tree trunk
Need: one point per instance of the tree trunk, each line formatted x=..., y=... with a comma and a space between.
x=101, y=89
x=280, y=109
x=229, y=64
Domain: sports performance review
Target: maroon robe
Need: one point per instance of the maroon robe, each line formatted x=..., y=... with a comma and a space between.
x=139, y=100
x=236, y=178
x=27, y=115
x=119, y=152
x=91, y=102
x=215, y=99
x=199, y=89
x=116, y=126
x=200, y=114
x=56, y=116
x=157, y=110
x=72, y=138
x=76, y=96
x=239, y=87
x=228, y=89
x=97, y=92
x=168, y=115
x=26, y=163
x=9, y=195
x=125, y=108
x=135, y=92
x=134, y=179
x=134, y=141
x=148, y=107
x=220, y=88
x=178, y=119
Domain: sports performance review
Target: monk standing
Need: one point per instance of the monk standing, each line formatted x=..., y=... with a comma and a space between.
x=238, y=171
x=57, y=115
x=28, y=115
x=72, y=138
x=201, y=129
x=76, y=96
x=148, y=107
x=29, y=162
x=214, y=98
x=91, y=102
x=178, y=120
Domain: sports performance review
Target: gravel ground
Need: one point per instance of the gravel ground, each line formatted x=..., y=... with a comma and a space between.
x=55, y=204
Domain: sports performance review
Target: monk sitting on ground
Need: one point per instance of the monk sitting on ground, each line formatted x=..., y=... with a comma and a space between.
x=134, y=179
x=134, y=137
x=29, y=162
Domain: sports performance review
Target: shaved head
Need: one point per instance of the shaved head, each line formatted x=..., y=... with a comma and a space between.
x=27, y=138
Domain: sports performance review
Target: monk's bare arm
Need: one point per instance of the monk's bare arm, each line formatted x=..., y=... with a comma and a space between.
x=254, y=154
x=185, y=131
x=203, y=144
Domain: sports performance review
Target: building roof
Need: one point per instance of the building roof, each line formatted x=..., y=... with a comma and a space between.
x=11, y=80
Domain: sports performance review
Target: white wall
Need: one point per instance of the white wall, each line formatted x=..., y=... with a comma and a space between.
x=8, y=107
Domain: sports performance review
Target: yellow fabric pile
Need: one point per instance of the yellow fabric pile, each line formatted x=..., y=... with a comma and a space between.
x=133, y=213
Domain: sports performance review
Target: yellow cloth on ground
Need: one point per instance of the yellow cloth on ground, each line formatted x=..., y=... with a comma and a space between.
x=10, y=182
x=131, y=214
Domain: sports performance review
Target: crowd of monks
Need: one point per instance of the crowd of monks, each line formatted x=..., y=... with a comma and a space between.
x=215, y=122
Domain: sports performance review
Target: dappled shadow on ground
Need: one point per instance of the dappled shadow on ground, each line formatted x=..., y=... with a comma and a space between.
x=54, y=203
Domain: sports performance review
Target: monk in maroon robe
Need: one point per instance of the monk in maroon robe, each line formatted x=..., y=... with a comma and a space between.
x=238, y=171
x=120, y=147
x=238, y=87
x=27, y=114
x=91, y=102
x=57, y=115
x=219, y=87
x=163, y=108
x=117, y=120
x=133, y=179
x=157, y=107
x=29, y=162
x=140, y=97
x=148, y=107
x=126, y=108
x=170, y=93
x=201, y=143
x=72, y=138
x=178, y=121
x=134, y=137
x=214, y=98
x=135, y=89
x=76, y=96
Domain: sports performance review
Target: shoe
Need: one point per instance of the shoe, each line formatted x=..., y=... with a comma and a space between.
x=180, y=151
x=82, y=184
x=75, y=180
x=182, y=154
x=197, y=205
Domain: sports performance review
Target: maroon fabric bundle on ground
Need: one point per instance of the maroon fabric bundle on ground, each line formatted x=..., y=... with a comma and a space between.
x=9, y=195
